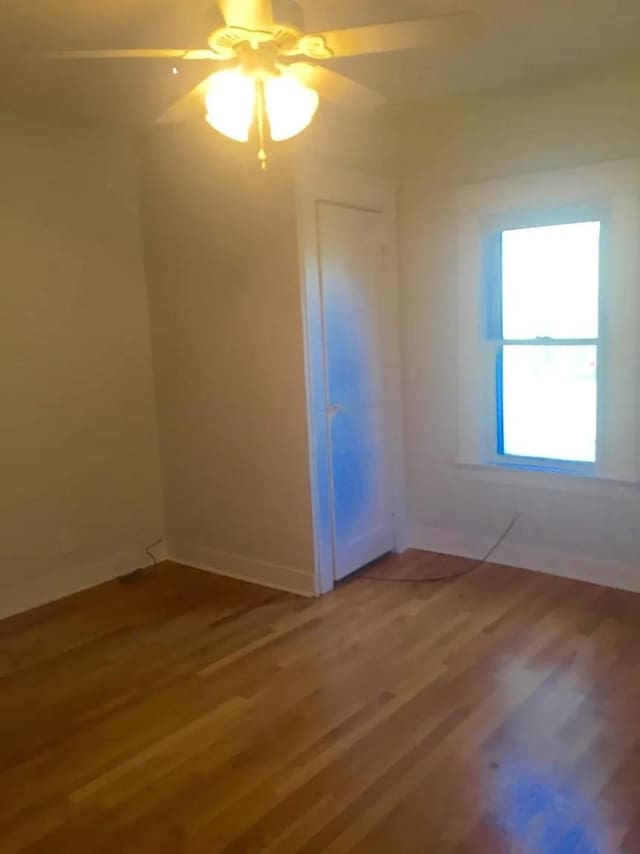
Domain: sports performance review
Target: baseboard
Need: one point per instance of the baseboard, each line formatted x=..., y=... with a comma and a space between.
x=260, y=572
x=610, y=573
x=49, y=586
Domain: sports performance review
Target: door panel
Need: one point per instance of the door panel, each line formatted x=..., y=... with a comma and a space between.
x=350, y=242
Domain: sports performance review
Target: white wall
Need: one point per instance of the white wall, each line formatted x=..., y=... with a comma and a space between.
x=577, y=120
x=79, y=455
x=80, y=496
x=222, y=265
x=347, y=140
x=222, y=268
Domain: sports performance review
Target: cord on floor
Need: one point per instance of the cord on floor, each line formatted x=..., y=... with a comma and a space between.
x=433, y=580
x=150, y=553
x=139, y=573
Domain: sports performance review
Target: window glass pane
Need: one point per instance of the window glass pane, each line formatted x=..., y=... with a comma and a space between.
x=550, y=278
x=549, y=401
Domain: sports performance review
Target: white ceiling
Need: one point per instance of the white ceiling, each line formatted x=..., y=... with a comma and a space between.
x=521, y=40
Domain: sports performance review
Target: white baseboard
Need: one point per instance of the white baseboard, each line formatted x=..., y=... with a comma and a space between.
x=610, y=573
x=61, y=582
x=260, y=572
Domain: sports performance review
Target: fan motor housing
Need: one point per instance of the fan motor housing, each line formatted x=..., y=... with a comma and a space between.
x=227, y=41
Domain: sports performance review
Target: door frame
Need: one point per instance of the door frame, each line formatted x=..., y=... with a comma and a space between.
x=316, y=184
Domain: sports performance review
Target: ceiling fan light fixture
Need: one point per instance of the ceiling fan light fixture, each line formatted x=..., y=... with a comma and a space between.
x=237, y=97
x=290, y=106
x=230, y=101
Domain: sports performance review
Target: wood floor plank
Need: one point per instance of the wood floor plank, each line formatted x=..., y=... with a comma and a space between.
x=186, y=713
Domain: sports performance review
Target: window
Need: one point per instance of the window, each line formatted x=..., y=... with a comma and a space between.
x=548, y=302
x=543, y=286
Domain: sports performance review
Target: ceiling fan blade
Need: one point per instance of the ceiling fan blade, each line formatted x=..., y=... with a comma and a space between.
x=248, y=14
x=144, y=53
x=337, y=88
x=191, y=106
x=445, y=31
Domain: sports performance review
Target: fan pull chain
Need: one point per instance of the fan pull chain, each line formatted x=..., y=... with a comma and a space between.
x=261, y=109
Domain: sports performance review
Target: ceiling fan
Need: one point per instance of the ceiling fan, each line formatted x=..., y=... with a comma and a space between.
x=266, y=80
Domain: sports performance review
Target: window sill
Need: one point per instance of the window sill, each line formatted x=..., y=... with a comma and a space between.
x=579, y=482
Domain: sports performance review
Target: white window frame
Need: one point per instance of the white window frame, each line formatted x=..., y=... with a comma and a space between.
x=609, y=192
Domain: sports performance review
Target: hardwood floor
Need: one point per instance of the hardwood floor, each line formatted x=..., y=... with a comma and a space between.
x=189, y=713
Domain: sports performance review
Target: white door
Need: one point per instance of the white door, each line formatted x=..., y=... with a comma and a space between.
x=351, y=278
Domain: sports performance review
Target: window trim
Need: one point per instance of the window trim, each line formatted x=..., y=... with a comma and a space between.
x=610, y=193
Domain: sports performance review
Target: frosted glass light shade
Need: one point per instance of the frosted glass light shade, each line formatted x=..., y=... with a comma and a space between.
x=230, y=100
x=231, y=104
x=290, y=106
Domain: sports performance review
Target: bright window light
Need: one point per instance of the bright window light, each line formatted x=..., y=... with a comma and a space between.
x=550, y=402
x=550, y=278
x=547, y=325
